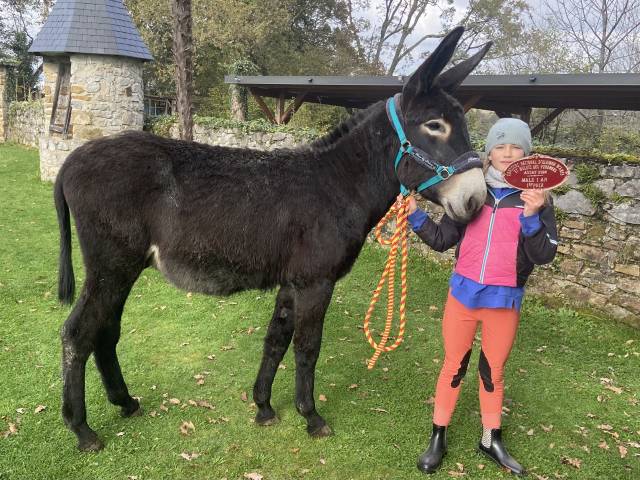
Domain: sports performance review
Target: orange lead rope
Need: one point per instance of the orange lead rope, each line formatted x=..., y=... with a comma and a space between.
x=399, y=238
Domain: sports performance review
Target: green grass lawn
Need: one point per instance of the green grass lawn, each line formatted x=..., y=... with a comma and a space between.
x=572, y=383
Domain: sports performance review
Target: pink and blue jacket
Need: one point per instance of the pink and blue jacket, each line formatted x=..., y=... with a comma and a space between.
x=496, y=251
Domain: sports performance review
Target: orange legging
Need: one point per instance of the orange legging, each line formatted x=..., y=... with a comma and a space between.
x=459, y=324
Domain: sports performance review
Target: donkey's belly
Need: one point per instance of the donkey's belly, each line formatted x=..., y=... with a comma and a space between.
x=207, y=276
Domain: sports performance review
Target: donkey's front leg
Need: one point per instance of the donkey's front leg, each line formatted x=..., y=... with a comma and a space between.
x=311, y=305
x=276, y=343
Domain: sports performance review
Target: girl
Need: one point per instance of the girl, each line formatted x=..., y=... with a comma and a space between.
x=496, y=252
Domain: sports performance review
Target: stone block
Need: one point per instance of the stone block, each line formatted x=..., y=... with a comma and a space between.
x=571, y=266
x=626, y=213
x=587, y=252
x=564, y=249
x=77, y=89
x=619, y=171
x=570, y=233
x=575, y=202
x=629, y=285
x=630, y=188
x=79, y=117
x=628, y=269
x=576, y=224
x=628, y=301
x=606, y=185
x=88, y=133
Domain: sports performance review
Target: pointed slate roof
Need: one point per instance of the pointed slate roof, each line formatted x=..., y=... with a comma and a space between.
x=102, y=27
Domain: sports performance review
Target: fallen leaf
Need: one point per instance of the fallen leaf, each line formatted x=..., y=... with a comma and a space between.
x=604, y=445
x=243, y=396
x=453, y=473
x=295, y=450
x=174, y=401
x=21, y=410
x=12, y=430
x=574, y=462
x=605, y=427
x=187, y=428
x=460, y=467
x=379, y=410
x=352, y=386
x=323, y=461
x=546, y=429
x=530, y=432
x=480, y=466
x=120, y=434
x=189, y=456
x=617, y=390
x=322, y=398
x=253, y=476
x=623, y=451
x=39, y=408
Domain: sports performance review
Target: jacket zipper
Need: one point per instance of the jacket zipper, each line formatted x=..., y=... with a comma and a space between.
x=493, y=217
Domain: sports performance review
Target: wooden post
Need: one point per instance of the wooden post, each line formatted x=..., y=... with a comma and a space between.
x=280, y=109
x=263, y=106
x=471, y=102
x=293, y=107
x=549, y=118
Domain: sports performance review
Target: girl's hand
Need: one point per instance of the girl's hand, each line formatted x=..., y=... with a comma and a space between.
x=533, y=201
x=412, y=205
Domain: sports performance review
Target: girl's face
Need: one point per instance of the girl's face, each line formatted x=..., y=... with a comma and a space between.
x=501, y=156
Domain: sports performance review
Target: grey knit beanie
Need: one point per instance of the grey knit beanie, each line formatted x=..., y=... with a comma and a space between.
x=509, y=130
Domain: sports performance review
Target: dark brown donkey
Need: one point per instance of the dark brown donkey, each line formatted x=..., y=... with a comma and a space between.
x=219, y=220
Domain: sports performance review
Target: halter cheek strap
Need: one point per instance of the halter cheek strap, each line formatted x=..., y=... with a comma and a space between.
x=442, y=172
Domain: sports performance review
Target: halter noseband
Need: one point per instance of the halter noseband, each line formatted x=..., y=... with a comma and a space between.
x=464, y=162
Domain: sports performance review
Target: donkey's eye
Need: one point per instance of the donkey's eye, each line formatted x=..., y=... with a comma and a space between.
x=435, y=126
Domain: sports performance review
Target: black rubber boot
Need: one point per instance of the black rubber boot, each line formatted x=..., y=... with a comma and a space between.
x=431, y=459
x=497, y=452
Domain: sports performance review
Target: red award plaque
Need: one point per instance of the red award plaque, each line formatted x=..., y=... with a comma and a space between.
x=536, y=172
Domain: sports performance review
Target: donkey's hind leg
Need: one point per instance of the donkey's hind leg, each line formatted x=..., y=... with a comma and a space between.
x=107, y=359
x=311, y=304
x=99, y=305
x=276, y=342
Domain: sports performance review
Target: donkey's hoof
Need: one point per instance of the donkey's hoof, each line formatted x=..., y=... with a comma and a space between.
x=323, y=431
x=267, y=422
x=91, y=445
x=133, y=410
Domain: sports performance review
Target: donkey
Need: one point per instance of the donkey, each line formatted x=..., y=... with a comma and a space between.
x=220, y=220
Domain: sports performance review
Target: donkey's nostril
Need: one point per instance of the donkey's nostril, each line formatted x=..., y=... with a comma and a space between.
x=471, y=204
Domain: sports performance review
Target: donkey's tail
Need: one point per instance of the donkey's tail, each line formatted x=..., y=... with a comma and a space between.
x=66, y=280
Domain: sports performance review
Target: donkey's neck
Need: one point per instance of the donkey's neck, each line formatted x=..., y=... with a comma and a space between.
x=365, y=156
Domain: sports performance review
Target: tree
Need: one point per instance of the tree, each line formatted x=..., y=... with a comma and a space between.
x=182, y=52
x=604, y=31
x=394, y=36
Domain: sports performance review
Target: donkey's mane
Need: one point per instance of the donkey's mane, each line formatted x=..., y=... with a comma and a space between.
x=342, y=130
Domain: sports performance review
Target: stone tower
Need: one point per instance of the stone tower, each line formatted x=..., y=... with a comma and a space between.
x=92, y=64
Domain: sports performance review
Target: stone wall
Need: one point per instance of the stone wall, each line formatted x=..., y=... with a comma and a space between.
x=598, y=261
x=25, y=123
x=233, y=137
x=106, y=98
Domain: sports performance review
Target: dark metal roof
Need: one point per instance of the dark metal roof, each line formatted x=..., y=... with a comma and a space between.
x=510, y=93
x=102, y=27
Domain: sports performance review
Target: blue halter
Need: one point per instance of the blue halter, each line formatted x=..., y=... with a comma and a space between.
x=442, y=172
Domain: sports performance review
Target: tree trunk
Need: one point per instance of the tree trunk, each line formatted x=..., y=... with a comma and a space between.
x=183, y=55
x=239, y=106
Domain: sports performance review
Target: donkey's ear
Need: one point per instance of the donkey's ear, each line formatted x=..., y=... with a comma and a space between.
x=423, y=78
x=450, y=80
